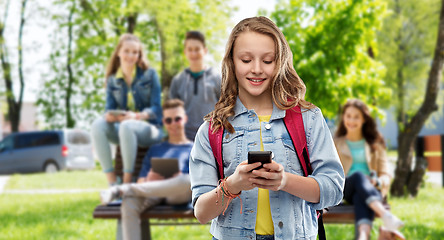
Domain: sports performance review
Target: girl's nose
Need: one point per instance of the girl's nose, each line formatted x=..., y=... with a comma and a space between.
x=256, y=68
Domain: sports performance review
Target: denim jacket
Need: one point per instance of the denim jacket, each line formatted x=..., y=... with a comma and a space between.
x=146, y=94
x=293, y=217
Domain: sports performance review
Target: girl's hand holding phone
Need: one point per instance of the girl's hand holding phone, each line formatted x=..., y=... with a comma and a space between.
x=272, y=177
x=116, y=116
x=111, y=118
x=129, y=115
x=239, y=181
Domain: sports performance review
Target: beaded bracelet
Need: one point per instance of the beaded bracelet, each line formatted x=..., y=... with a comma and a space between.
x=226, y=194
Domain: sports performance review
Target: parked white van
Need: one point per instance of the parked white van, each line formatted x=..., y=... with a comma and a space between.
x=79, y=147
x=47, y=151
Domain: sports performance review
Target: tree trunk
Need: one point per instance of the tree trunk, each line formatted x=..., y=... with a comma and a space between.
x=401, y=118
x=20, y=66
x=415, y=179
x=70, y=122
x=166, y=75
x=400, y=81
x=132, y=21
x=13, y=112
x=410, y=132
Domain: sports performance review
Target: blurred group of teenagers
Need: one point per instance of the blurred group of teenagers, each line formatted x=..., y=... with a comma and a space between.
x=247, y=99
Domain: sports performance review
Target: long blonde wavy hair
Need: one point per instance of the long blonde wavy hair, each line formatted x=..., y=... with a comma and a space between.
x=288, y=89
x=114, y=62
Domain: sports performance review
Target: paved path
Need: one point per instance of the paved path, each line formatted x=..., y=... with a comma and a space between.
x=51, y=191
x=3, y=180
x=435, y=178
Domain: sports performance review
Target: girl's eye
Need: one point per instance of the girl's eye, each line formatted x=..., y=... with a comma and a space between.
x=268, y=62
x=246, y=61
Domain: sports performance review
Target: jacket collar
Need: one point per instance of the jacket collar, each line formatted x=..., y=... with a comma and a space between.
x=239, y=109
x=137, y=74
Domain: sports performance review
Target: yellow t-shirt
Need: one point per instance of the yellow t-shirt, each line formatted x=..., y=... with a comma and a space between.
x=129, y=97
x=264, y=222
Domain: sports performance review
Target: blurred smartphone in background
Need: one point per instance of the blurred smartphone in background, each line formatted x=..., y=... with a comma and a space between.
x=116, y=112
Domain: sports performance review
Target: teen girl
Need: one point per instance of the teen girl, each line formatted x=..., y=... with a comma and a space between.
x=361, y=149
x=276, y=202
x=133, y=87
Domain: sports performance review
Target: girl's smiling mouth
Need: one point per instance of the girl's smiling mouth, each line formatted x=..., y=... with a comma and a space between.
x=256, y=80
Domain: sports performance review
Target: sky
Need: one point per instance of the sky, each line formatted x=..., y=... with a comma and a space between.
x=249, y=8
x=37, y=32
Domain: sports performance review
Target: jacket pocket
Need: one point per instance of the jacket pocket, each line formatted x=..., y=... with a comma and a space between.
x=232, y=150
x=116, y=92
x=144, y=89
x=293, y=164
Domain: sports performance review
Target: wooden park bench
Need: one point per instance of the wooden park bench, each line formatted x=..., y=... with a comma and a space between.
x=339, y=214
x=159, y=212
x=342, y=213
x=118, y=165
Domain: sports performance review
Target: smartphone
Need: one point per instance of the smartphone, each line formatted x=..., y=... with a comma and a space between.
x=116, y=112
x=259, y=156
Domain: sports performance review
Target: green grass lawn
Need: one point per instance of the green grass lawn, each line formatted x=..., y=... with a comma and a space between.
x=421, y=215
x=60, y=180
x=69, y=216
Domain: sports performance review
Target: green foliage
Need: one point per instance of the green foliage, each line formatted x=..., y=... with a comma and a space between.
x=331, y=41
x=172, y=19
x=97, y=25
x=407, y=42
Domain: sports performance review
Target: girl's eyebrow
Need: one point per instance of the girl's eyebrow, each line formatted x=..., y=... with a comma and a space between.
x=250, y=53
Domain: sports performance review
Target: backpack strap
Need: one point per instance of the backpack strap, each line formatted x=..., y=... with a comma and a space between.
x=216, y=146
x=295, y=127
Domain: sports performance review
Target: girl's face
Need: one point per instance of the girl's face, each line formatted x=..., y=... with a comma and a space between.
x=254, y=64
x=353, y=119
x=129, y=53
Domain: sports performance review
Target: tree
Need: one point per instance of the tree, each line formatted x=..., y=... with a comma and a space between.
x=412, y=127
x=406, y=44
x=14, y=103
x=172, y=19
x=333, y=44
x=70, y=122
x=81, y=47
x=96, y=26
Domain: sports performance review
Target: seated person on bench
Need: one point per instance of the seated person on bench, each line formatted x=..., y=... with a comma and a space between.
x=362, y=152
x=151, y=187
